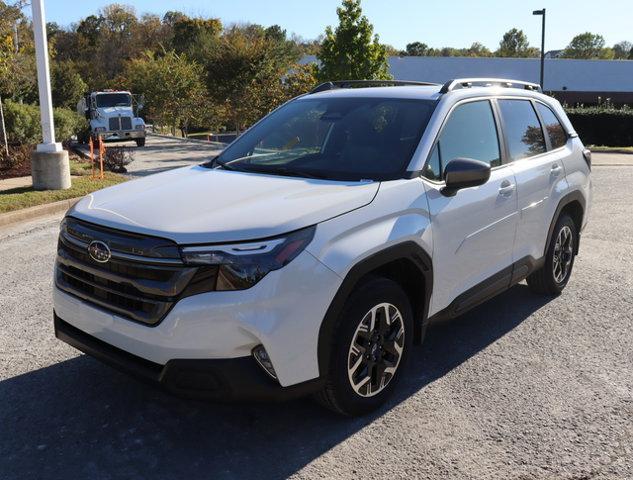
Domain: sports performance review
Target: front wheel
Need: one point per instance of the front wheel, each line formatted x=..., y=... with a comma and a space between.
x=559, y=259
x=370, y=348
x=140, y=142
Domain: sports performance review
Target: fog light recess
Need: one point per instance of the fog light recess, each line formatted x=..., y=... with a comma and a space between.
x=261, y=356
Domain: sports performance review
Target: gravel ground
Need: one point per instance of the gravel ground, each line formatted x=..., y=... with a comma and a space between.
x=523, y=387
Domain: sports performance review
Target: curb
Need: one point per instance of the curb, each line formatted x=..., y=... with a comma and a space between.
x=616, y=151
x=37, y=211
x=192, y=140
x=612, y=164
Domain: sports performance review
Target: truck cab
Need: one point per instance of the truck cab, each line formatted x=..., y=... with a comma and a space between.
x=111, y=116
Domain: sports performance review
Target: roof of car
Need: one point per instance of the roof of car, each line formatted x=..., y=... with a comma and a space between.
x=422, y=92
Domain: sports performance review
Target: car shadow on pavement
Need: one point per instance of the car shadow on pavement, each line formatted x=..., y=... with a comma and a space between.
x=80, y=419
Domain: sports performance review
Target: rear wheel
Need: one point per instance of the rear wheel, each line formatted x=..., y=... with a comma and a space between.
x=559, y=259
x=372, y=341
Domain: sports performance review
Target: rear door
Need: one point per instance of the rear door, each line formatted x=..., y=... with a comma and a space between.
x=473, y=231
x=536, y=155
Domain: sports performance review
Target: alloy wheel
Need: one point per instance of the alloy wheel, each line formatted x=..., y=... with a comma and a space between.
x=563, y=254
x=376, y=350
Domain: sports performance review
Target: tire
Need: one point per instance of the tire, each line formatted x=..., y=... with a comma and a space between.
x=140, y=142
x=552, y=278
x=385, y=348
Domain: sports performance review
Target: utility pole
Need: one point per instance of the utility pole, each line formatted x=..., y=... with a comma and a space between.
x=542, y=13
x=49, y=162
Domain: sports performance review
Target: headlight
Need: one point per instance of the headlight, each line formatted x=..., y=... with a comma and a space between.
x=140, y=127
x=242, y=265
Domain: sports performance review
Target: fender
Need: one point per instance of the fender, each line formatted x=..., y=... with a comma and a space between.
x=403, y=251
x=566, y=200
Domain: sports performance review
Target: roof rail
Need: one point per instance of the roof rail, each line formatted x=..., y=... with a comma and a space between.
x=365, y=83
x=458, y=83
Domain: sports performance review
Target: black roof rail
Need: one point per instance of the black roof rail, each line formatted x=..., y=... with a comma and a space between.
x=366, y=83
x=458, y=83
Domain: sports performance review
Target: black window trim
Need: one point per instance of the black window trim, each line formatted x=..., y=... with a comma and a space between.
x=500, y=137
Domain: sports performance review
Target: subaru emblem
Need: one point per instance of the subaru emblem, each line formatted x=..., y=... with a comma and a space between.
x=99, y=251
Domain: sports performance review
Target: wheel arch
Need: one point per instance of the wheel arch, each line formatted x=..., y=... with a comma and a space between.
x=573, y=204
x=408, y=264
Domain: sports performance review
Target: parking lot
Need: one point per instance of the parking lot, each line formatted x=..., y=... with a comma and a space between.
x=523, y=387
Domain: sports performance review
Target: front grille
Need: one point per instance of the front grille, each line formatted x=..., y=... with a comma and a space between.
x=120, y=123
x=141, y=286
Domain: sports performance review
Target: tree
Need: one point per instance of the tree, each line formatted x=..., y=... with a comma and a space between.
x=194, y=36
x=349, y=52
x=67, y=86
x=417, y=49
x=622, y=50
x=515, y=44
x=17, y=55
x=585, y=45
x=244, y=73
x=300, y=80
x=172, y=85
x=477, y=50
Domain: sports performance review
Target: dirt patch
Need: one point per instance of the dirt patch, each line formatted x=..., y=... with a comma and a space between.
x=18, y=162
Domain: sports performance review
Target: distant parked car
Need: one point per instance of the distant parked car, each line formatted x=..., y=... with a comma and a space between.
x=311, y=254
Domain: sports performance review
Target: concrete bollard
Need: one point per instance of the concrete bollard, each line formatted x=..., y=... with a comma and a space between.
x=50, y=170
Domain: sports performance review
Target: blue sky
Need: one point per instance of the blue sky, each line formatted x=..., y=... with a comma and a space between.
x=438, y=23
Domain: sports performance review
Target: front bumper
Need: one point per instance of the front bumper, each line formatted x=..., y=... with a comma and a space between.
x=283, y=312
x=119, y=136
x=216, y=379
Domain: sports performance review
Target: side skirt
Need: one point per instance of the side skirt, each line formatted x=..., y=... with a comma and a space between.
x=491, y=287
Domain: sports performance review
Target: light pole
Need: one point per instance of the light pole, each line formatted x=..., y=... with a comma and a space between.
x=542, y=13
x=49, y=162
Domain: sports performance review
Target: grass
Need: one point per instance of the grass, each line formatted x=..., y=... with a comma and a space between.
x=18, y=198
x=597, y=148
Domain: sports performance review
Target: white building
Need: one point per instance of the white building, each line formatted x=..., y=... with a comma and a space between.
x=571, y=81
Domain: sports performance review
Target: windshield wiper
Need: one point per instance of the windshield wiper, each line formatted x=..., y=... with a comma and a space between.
x=286, y=171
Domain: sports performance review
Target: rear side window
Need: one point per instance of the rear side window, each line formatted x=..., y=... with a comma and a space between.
x=469, y=132
x=524, y=135
x=554, y=129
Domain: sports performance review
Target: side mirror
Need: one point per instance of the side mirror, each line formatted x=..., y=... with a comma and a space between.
x=463, y=173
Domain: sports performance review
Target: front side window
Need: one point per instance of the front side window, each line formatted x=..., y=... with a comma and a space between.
x=522, y=128
x=334, y=138
x=469, y=132
x=554, y=129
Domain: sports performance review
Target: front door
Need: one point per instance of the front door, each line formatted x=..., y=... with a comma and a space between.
x=474, y=230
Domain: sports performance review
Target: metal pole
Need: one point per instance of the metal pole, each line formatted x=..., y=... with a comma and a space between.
x=44, y=80
x=543, y=50
x=3, y=129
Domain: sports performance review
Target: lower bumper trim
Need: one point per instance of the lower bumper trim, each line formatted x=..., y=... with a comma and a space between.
x=232, y=379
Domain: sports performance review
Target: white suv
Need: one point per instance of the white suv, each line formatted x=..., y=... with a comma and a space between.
x=312, y=253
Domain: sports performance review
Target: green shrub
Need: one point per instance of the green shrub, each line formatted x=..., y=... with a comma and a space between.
x=67, y=124
x=23, y=123
x=603, y=125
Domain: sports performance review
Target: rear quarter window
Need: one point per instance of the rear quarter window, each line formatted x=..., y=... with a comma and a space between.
x=555, y=131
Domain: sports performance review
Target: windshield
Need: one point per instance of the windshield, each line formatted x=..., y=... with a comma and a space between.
x=105, y=100
x=333, y=138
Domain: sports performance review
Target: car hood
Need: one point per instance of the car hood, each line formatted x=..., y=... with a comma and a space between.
x=199, y=205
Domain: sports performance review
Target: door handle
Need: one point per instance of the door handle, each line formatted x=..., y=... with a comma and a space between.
x=506, y=188
x=556, y=169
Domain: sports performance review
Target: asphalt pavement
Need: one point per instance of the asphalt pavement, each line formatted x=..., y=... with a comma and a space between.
x=523, y=387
